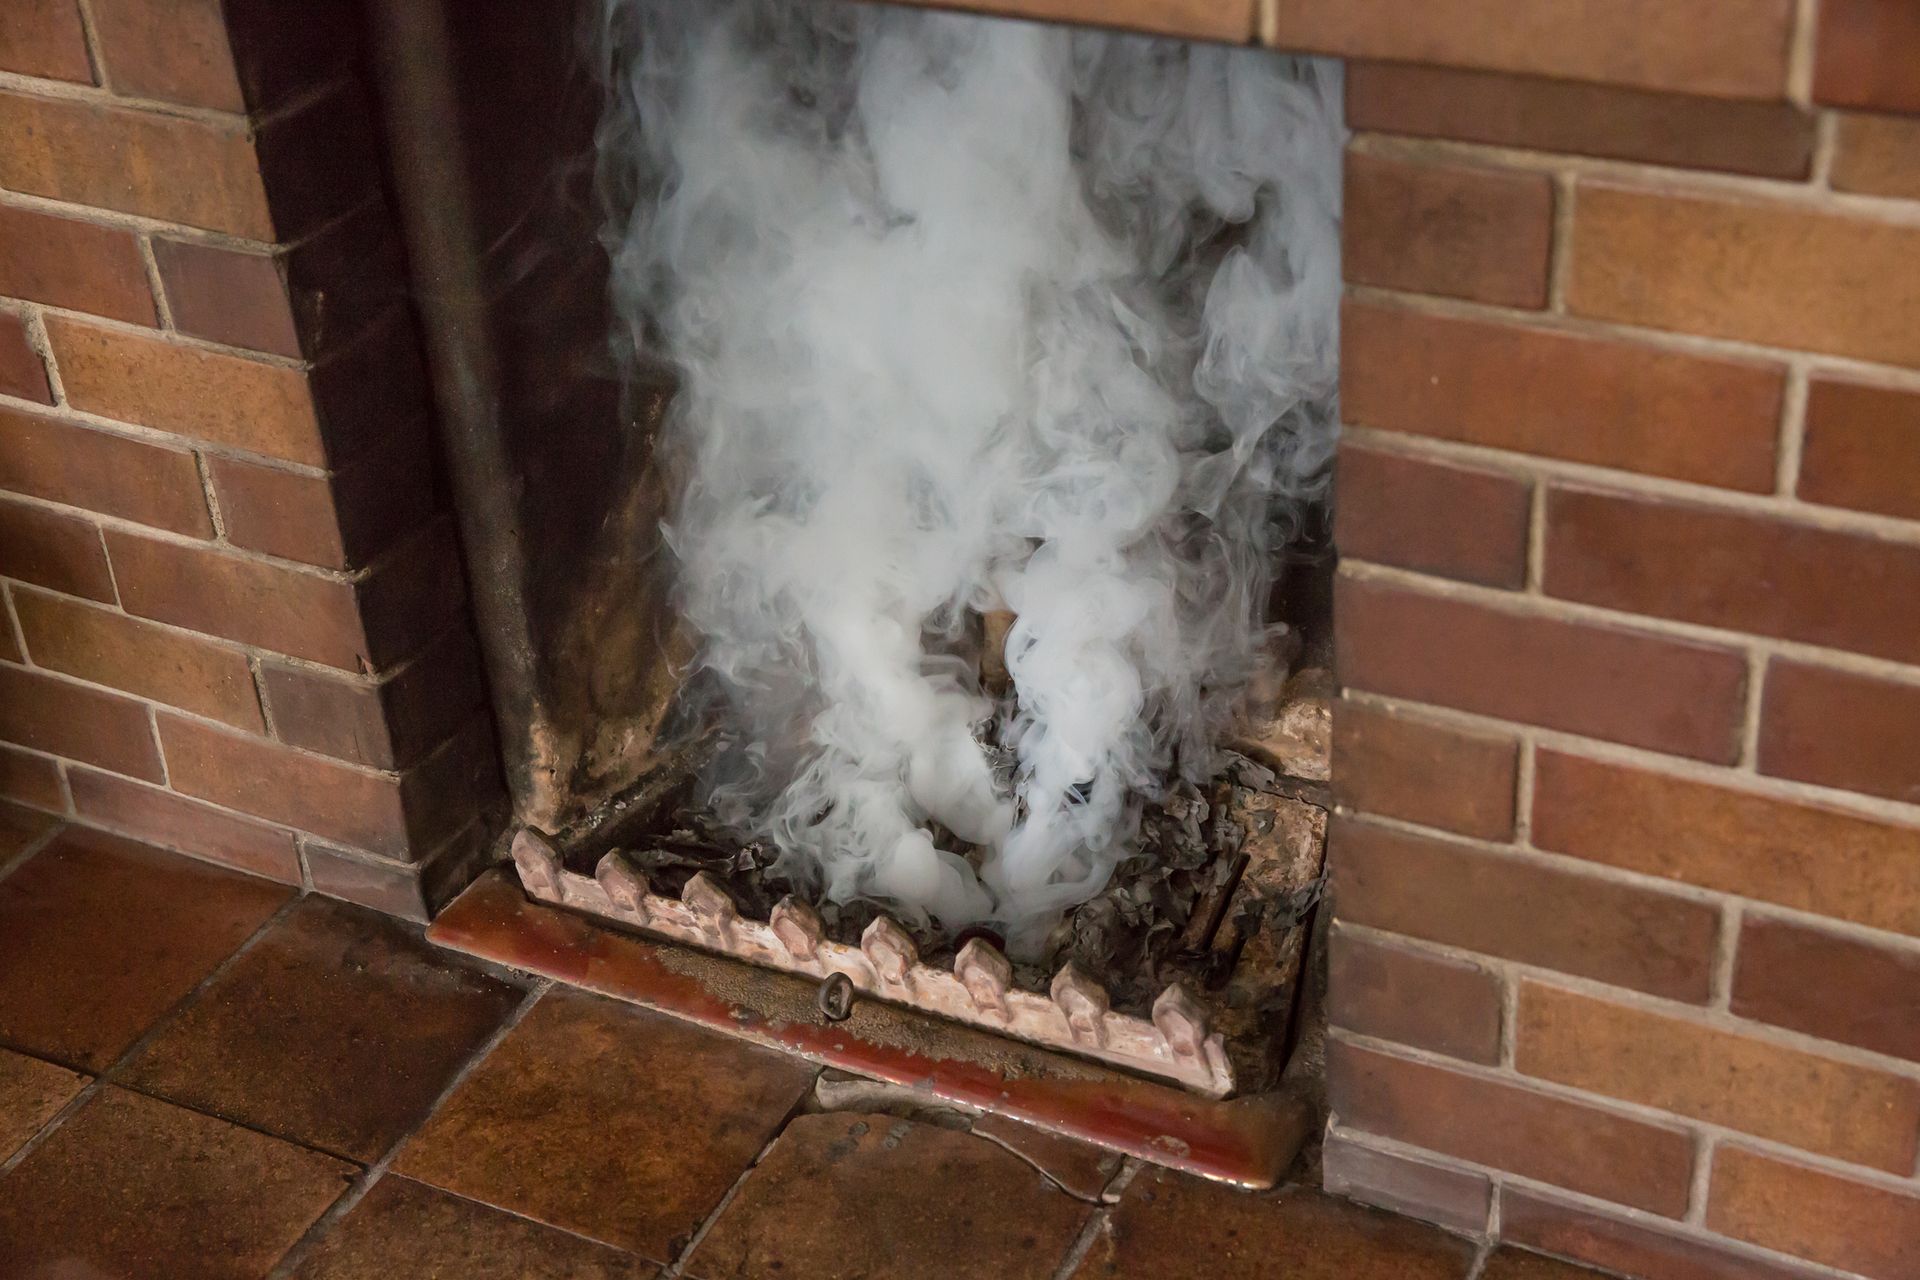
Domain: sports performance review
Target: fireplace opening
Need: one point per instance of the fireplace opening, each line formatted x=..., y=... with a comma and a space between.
x=902, y=442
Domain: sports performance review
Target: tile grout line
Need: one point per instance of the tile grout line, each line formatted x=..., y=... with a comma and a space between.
x=1097, y=1220
x=364, y=1181
x=517, y=1214
x=104, y=1076
x=677, y=1266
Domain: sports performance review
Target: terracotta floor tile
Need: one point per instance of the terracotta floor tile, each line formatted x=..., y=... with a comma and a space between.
x=20, y=827
x=608, y=1121
x=844, y=1196
x=99, y=936
x=137, y=1189
x=1517, y=1264
x=406, y=1230
x=1168, y=1224
x=338, y=1029
x=31, y=1093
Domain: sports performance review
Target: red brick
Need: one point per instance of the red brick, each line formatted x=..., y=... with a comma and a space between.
x=1841, y=730
x=1862, y=447
x=31, y=780
x=1454, y=1198
x=1818, y=1104
x=309, y=298
x=1877, y=155
x=1418, y=513
x=107, y=647
x=289, y=514
x=1630, y=1248
x=1866, y=994
x=1389, y=763
x=1857, y=1226
x=234, y=296
x=116, y=476
x=1724, y=568
x=226, y=399
x=76, y=265
x=451, y=786
x=289, y=611
x=174, y=50
x=1598, y=680
x=1586, y=1149
x=414, y=594
x=1867, y=54
x=177, y=170
x=44, y=38
x=1518, y=909
x=386, y=724
x=273, y=62
x=22, y=372
x=348, y=277
x=1806, y=856
x=271, y=782
x=1768, y=139
x=403, y=818
x=65, y=719
x=1726, y=48
x=1561, y=395
x=1465, y=232
x=164, y=818
x=1767, y=271
x=384, y=886
x=410, y=598
x=372, y=392
x=321, y=159
x=1417, y=998
x=52, y=550
x=340, y=521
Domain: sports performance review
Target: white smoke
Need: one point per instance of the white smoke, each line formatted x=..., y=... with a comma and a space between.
x=973, y=314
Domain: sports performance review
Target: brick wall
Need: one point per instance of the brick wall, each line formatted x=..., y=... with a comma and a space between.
x=1627, y=879
x=234, y=618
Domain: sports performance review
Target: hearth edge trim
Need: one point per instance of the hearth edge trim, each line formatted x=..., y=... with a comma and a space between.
x=1072, y=1017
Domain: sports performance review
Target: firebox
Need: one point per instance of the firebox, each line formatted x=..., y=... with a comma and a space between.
x=899, y=441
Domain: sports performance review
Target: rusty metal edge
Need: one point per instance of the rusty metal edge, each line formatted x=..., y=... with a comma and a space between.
x=1248, y=1142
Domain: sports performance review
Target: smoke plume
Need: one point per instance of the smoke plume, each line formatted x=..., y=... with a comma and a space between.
x=971, y=315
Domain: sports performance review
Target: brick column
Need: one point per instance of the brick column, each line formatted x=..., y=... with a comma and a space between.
x=1627, y=879
x=236, y=623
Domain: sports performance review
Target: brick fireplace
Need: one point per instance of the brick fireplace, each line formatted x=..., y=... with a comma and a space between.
x=1626, y=877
